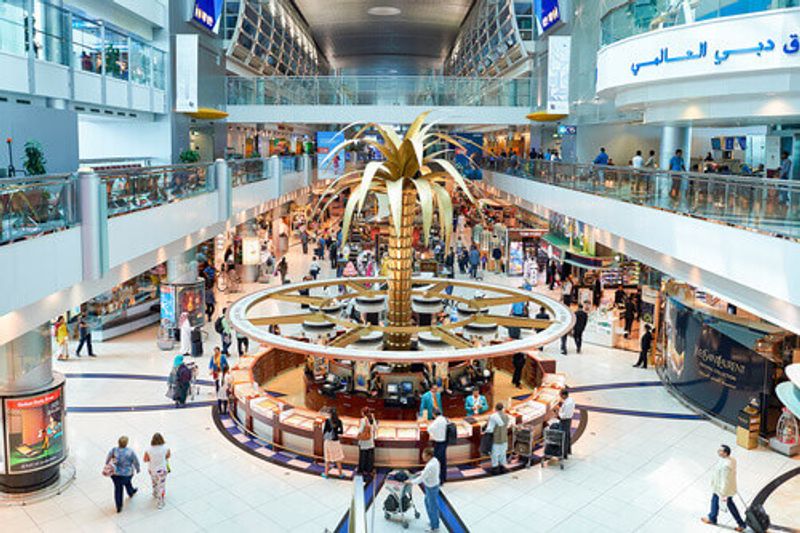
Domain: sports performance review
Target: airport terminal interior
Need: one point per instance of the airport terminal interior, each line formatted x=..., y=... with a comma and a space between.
x=362, y=266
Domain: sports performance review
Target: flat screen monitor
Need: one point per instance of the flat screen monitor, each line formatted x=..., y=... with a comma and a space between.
x=408, y=387
x=392, y=388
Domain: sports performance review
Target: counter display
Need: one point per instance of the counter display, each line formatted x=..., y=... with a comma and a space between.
x=399, y=443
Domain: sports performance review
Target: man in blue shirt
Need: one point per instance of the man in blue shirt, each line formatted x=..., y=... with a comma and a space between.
x=602, y=157
x=431, y=401
x=676, y=164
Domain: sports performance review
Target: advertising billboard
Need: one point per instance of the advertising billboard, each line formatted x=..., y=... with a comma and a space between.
x=208, y=13
x=35, y=431
x=710, y=361
x=183, y=298
x=548, y=14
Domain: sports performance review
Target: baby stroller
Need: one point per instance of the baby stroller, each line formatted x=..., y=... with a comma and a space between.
x=554, y=444
x=399, y=500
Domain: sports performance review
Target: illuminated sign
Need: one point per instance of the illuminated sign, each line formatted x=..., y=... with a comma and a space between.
x=35, y=431
x=208, y=13
x=548, y=13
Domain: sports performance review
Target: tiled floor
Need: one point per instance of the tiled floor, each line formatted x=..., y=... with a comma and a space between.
x=628, y=473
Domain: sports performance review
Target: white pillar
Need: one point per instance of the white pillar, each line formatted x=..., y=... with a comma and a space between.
x=222, y=177
x=93, y=206
x=674, y=138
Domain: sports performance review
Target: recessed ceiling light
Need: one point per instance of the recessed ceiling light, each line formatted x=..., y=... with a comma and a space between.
x=384, y=11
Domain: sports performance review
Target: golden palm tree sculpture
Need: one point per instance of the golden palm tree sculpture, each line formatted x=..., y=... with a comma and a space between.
x=406, y=177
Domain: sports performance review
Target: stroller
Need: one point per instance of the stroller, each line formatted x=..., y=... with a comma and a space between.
x=399, y=500
x=554, y=444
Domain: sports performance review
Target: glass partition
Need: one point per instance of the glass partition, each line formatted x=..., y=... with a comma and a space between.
x=34, y=206
x=764, y=204
x=144, y=188
x=117, y=55
x=141, y=62
x=13, y=18
x=87, y=45
x=244, y=171
x=159, y=69
x=50, y=33
x=635, y=16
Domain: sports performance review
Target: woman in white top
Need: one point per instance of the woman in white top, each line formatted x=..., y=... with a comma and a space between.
x=156, y=457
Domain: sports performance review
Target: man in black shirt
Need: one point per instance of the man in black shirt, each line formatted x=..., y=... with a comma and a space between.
x=519, y=365
x=542, y=315
x=647, y=340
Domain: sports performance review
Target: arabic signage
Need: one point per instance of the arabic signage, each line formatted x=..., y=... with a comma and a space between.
x=558, y=56
x=208, y=13
x=763, y=41
x=548, y=13
x=35, y=431
x=709, y=366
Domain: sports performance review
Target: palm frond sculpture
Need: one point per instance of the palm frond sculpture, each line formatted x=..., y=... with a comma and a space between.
x=406, y=178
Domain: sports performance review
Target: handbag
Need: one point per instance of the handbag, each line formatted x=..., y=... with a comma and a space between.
x=366, y=434
x=110, y=467
x=487, y=440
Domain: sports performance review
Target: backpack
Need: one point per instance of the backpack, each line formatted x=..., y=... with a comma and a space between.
x=451, y=434
x=218, y=325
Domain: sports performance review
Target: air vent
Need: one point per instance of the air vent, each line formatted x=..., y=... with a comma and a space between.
x=80, y=108
x=94, y=110
x=24, y=102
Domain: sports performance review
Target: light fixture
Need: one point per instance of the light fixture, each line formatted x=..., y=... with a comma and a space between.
x=384, y=11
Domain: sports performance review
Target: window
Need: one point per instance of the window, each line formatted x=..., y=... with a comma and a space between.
x=49, y=30
x=159, y=69
x=141, y=62
x=87, y=45
x=13, y=18
x=117, y=58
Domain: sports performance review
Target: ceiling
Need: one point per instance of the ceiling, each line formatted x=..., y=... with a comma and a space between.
x=413, y=41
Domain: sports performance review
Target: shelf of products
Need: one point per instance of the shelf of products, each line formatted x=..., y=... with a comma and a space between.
x=626, y=274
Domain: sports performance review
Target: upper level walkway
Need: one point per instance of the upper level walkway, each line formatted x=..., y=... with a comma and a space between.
x=389, y=99
x=736, y=236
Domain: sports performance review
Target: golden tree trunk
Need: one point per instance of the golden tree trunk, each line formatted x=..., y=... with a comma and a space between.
x=400, y=267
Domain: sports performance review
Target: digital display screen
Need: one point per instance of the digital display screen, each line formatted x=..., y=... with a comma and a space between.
x=408, y=387
x=548, y=13
x=35, y=431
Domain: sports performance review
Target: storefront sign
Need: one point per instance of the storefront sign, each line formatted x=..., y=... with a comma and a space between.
x=558, y=61
x=327, y=141
x=251, y=251
x=186, y=65
x=708, y=366
x=567, y=130
x=35, y=425
x=757, y=42
x=548, y=14
x=208, y=13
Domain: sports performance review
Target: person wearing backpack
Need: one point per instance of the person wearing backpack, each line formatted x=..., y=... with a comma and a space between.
x=498, y=427
x=366, y=443
x=437, y=432
x=222, y=327
x=218, y=365
x=121, y=465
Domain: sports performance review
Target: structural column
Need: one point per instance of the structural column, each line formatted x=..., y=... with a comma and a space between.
x=32, y=435
x=674, y=138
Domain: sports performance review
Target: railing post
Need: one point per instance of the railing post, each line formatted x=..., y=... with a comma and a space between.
x=307, y=174
x=93, y=207
x=224, y=189
x=275, y=172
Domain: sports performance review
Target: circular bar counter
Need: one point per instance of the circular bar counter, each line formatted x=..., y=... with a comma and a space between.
x=399, y=441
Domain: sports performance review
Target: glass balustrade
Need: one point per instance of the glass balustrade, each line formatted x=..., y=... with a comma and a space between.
x=379, y=90
x=143, y=188
x=35, y=206
x=764, y=204
x=244, y=171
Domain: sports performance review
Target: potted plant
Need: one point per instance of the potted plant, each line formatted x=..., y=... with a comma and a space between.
x=34, y=161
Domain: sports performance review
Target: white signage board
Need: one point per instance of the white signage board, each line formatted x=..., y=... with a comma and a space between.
x=186, y=65
x=730, y=45
x=558, y=57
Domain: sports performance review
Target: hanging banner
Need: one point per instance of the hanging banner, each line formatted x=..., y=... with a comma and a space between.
x=186, y=59
x=558, y=60
x=208, y=14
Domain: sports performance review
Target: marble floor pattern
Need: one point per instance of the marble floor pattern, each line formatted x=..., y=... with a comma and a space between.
x=627, y=474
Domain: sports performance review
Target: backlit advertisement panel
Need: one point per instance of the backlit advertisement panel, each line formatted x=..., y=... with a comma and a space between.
x=35, y=431
x=208, y=13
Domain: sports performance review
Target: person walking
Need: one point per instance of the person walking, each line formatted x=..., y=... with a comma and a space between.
x=122, y=462
x=185, y=334
x=474, y=261
x=304, y=240
x=224, y=391
x=437, y=432
x=429, y=478
x=601, y=158
x=334, y=254
x=638, y=160
x=597, y=291
x=314, y=268
x=541, y=315
x=211, y=303
x=366, y=443
x=629, y=314
x=62, y=338
x=242, y=343
x=644, y=346
x=282, y=269
x=581, y=318
x=651, y=160
x=182, y=380
x=723, y=483
x=498, y=427
x=85, y=337
x=566, y=410
x=518, y=359
x=566, y=291
x=157, y=458
x=217, y=365
x=223, y=328
x=331, y=446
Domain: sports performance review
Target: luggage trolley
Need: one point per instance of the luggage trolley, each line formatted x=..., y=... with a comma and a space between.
x=399, y=501
x=524, y=442
x=194, y=387
x=554, y=444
